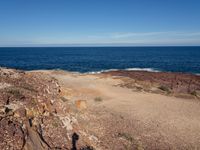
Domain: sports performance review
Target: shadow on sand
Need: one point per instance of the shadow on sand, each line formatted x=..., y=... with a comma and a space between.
x=75, y=138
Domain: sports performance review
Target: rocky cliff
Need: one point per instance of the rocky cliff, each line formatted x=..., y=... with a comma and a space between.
x=32, y=113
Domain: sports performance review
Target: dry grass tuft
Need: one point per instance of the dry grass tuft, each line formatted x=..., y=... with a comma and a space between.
x=164, y=88
x=98, y=99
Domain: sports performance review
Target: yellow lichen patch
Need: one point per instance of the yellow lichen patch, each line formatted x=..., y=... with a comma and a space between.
x=31, y=113
x=45, y=107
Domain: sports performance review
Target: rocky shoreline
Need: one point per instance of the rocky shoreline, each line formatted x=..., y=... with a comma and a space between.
x=177, y=84
x=38, y=112
x=32, y=116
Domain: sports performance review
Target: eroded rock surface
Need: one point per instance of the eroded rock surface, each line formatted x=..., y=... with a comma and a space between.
x=177, y=84
x=31, y=112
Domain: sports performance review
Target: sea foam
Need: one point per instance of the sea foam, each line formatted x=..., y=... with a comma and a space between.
x=127, y=69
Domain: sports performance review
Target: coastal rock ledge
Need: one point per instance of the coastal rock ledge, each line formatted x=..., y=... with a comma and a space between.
x=31, y=112
x=116, y=110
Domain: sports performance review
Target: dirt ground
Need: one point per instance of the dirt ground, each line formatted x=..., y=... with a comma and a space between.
x=120, y=118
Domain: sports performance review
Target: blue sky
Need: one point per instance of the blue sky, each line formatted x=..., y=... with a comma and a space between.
x=99, y=22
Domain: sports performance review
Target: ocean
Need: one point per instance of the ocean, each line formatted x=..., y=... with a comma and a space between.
x=97, y=59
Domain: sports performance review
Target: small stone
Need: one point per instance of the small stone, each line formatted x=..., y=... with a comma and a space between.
x=81, y=104
x=21, y=112
x=29, y=113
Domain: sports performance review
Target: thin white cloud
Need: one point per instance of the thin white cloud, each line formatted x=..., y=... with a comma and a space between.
x=153, y=34
x=136, y=34
x=134, y=38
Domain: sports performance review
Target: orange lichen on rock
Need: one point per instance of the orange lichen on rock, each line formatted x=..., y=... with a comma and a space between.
x=81, y=104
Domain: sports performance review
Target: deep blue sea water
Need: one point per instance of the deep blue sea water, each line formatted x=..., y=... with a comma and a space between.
x=92, y=59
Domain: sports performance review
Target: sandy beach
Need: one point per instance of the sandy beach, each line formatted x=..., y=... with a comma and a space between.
x=123, y=118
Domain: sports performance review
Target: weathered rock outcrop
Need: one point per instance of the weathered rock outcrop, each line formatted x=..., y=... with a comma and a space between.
x=178, y=84
x=32, y=113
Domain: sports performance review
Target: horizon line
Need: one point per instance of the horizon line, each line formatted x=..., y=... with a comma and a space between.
x=101, y=45
x=49, y=46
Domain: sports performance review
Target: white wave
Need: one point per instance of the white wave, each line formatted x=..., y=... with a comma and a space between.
x=142, y=69
x=127, y=69
x=101, y=71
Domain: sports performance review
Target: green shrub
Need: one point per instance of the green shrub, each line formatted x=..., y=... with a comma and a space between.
x=194, y=93
x=125, y=136
x=97, y=99
x=164, y=88
x=55, y=124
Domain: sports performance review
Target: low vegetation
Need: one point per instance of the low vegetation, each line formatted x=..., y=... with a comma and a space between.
x=98, y=99
x=164, y=88
x=15, y=92
x=194, y=93
x=134, y=143
x=64, y=99
x=125, y=136
x=28, y=87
